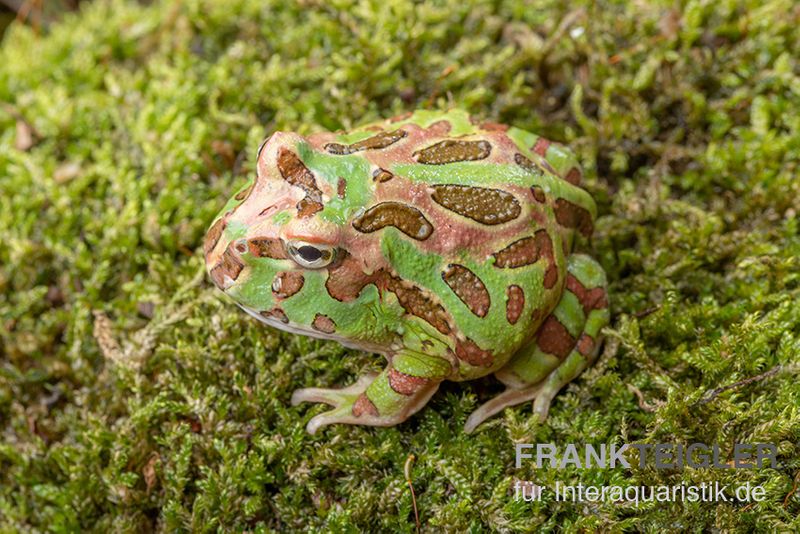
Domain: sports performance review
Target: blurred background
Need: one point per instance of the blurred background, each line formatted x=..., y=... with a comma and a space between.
x=37, y=13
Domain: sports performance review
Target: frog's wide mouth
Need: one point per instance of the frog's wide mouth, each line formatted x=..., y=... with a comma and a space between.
x=303, y=330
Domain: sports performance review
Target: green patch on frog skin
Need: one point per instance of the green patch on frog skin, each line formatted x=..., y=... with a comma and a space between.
x=253, y=288
x=483, y=174
x=458, y=119
x=523, y=138
x=354, y=170
x=569, y=313
x=560, y=157
x=365, y=318
x=281, y=218
x=586, y=270
x=420, y=363
x=235, y=229
x=354, y=137
x=425, y=270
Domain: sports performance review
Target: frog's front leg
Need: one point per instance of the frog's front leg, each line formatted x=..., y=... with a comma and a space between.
x=380, y=399
x=566, y=343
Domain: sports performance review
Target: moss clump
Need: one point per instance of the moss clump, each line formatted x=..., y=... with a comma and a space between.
x=132, y=396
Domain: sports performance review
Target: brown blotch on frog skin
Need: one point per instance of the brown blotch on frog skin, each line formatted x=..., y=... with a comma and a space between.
x=452, y=151
x=307, y=207
x=546, y=251
x=574, y=176
x=244, y=193
x=287, y=283
x=275, y=313
x=585, y=344
x=541, y=146
x=363, y=405
x=267, y=247
x=515, y=303
x=376, y=142
x=405, y=218
x=405, y=384
x=483, y=205
x=571, y=215
x=346, y=277
x=527, y=164
x=538, y=194
x=590, y=299
x=468, y=351
x=297, y=174
x=554, y=338
x=323, y=323
x=213, y=235
x=416, y=302
x=469, y=288
x=527, y=251
x=521, y=252
x=228, y=268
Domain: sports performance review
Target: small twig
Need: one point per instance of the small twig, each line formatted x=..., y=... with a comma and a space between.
x=109, y=346
x=714, y=393
x=644, y=313
x=642, y=403
x=566, y=23
x=794, y=489
x=407, y=471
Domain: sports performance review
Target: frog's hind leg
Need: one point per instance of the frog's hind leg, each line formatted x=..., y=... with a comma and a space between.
x=380, y=399
x=566, y=343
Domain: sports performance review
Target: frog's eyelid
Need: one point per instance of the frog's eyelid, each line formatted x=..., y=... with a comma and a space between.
x=327, y=254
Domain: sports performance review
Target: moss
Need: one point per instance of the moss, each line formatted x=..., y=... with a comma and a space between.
x=125, y=128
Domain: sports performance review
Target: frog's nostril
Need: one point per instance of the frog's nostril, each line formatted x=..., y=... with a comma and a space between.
x=241, y=246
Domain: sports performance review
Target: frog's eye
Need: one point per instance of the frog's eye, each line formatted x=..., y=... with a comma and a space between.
x=311, y=256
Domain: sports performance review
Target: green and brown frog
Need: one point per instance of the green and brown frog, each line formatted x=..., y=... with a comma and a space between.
x=443, y=243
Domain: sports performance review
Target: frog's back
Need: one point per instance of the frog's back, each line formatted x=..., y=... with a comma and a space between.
x=479, y=217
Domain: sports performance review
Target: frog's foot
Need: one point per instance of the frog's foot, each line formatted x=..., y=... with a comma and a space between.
x=344, y=402
x=334, y=397
x=383, y=399
x=566, y=343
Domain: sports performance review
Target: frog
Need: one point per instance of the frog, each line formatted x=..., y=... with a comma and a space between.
x=441, y=241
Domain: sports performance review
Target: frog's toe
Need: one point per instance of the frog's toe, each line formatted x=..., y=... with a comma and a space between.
x=510, y=397
x=332, y=396
x=341, y=414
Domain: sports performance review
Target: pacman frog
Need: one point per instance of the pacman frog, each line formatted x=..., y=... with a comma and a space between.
x=439, y=241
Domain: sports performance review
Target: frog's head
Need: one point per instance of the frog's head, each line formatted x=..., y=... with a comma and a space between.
x=269, y=238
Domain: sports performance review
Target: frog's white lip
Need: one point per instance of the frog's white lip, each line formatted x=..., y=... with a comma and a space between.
x=302, y=330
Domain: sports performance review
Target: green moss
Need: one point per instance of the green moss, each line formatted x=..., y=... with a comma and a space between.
x=144, y=119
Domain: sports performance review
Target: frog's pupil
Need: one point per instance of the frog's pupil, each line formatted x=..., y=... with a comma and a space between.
x=309, y=253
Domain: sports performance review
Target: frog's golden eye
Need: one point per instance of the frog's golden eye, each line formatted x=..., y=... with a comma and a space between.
x=311, y=256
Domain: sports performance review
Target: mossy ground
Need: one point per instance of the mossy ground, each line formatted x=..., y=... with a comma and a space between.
x=133, y=396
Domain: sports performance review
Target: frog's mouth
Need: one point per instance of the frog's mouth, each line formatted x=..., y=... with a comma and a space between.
x=295, y=328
